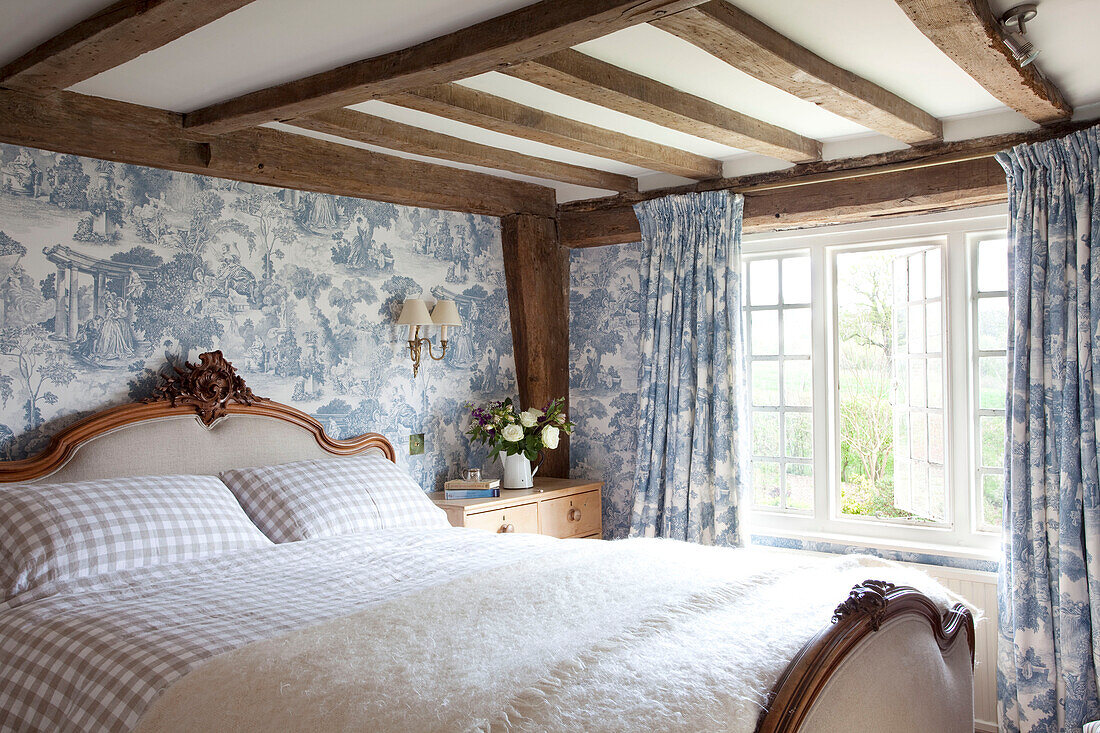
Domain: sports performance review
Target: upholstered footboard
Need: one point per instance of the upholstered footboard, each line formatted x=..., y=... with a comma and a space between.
x=889, y=662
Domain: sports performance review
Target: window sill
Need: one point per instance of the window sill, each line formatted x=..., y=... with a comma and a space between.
x=927, y=553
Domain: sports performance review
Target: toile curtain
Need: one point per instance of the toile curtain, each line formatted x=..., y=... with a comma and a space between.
x=689, y=470
x=1050, y=572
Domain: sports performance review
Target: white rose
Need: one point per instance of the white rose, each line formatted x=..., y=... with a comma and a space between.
x=528, y=419
x=550, y=436
x=514, y=434
x=536, y=412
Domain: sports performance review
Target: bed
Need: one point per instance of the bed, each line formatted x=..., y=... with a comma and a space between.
x=423, y=627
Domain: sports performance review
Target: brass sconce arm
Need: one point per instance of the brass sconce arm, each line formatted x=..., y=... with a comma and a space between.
x=416, y=347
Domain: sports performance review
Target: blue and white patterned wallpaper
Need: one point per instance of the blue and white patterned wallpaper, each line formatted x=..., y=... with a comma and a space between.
x=604, y=329
x=108, y=270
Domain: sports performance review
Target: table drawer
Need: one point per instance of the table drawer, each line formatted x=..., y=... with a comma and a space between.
x=522, y=518
x=571, y=516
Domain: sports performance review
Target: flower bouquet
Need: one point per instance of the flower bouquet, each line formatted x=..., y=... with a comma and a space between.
x=518, y=437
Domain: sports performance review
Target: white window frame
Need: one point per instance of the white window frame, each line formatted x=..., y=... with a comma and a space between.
x=973, y=241
x=832, y=251
x=780, y=358
x=956, y=231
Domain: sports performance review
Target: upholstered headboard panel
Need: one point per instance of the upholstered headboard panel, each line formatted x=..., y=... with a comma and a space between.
x=183, y=445
x=205, y=422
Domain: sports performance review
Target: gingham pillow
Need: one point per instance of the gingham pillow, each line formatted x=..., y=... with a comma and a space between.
x=57, y=531
x=331, y=497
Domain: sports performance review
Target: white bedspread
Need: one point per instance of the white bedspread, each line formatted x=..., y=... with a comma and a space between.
x=91, y=655
x=438, y=630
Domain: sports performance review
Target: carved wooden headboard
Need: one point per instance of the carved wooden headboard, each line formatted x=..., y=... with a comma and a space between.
x=202, y=419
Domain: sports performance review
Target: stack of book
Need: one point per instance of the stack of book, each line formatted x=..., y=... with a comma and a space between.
x=461, y=489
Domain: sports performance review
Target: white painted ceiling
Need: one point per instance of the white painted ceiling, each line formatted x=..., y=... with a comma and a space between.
x=271, y=41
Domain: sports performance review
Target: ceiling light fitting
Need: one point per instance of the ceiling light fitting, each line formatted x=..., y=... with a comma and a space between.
x=1014, y=31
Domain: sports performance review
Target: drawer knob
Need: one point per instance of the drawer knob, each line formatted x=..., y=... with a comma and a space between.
x=574, y=514
x=506, y=528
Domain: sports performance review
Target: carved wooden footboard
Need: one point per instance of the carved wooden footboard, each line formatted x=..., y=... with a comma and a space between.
x=868, y=607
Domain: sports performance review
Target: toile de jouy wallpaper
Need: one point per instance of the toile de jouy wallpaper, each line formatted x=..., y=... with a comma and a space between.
x=109, y=271
x=604, y=331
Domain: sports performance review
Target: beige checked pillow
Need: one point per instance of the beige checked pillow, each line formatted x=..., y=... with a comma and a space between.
x=332, y=497
x=52, y=532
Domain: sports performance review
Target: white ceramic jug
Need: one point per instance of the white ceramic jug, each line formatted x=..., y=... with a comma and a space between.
x=517, y=472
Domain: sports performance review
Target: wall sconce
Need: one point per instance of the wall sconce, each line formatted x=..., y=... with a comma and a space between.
x=414, y=314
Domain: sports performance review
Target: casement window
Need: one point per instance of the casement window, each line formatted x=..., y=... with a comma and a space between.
x=877, y=378
x=781, y=374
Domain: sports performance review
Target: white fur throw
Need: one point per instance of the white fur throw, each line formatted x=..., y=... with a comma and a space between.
x=622, y=636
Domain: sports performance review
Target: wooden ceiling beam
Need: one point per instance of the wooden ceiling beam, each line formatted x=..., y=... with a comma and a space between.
x=742, y=41
x=67, y=122
x=821, y=193
x=968, y=33
x=119, y=33
x=522, y=34
x=386, y=133
x=474, y=107
x=831, y=170
x=583, y=77
x=957, y=185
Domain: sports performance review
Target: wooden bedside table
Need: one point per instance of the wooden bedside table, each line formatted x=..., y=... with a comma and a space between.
x=564, y=508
